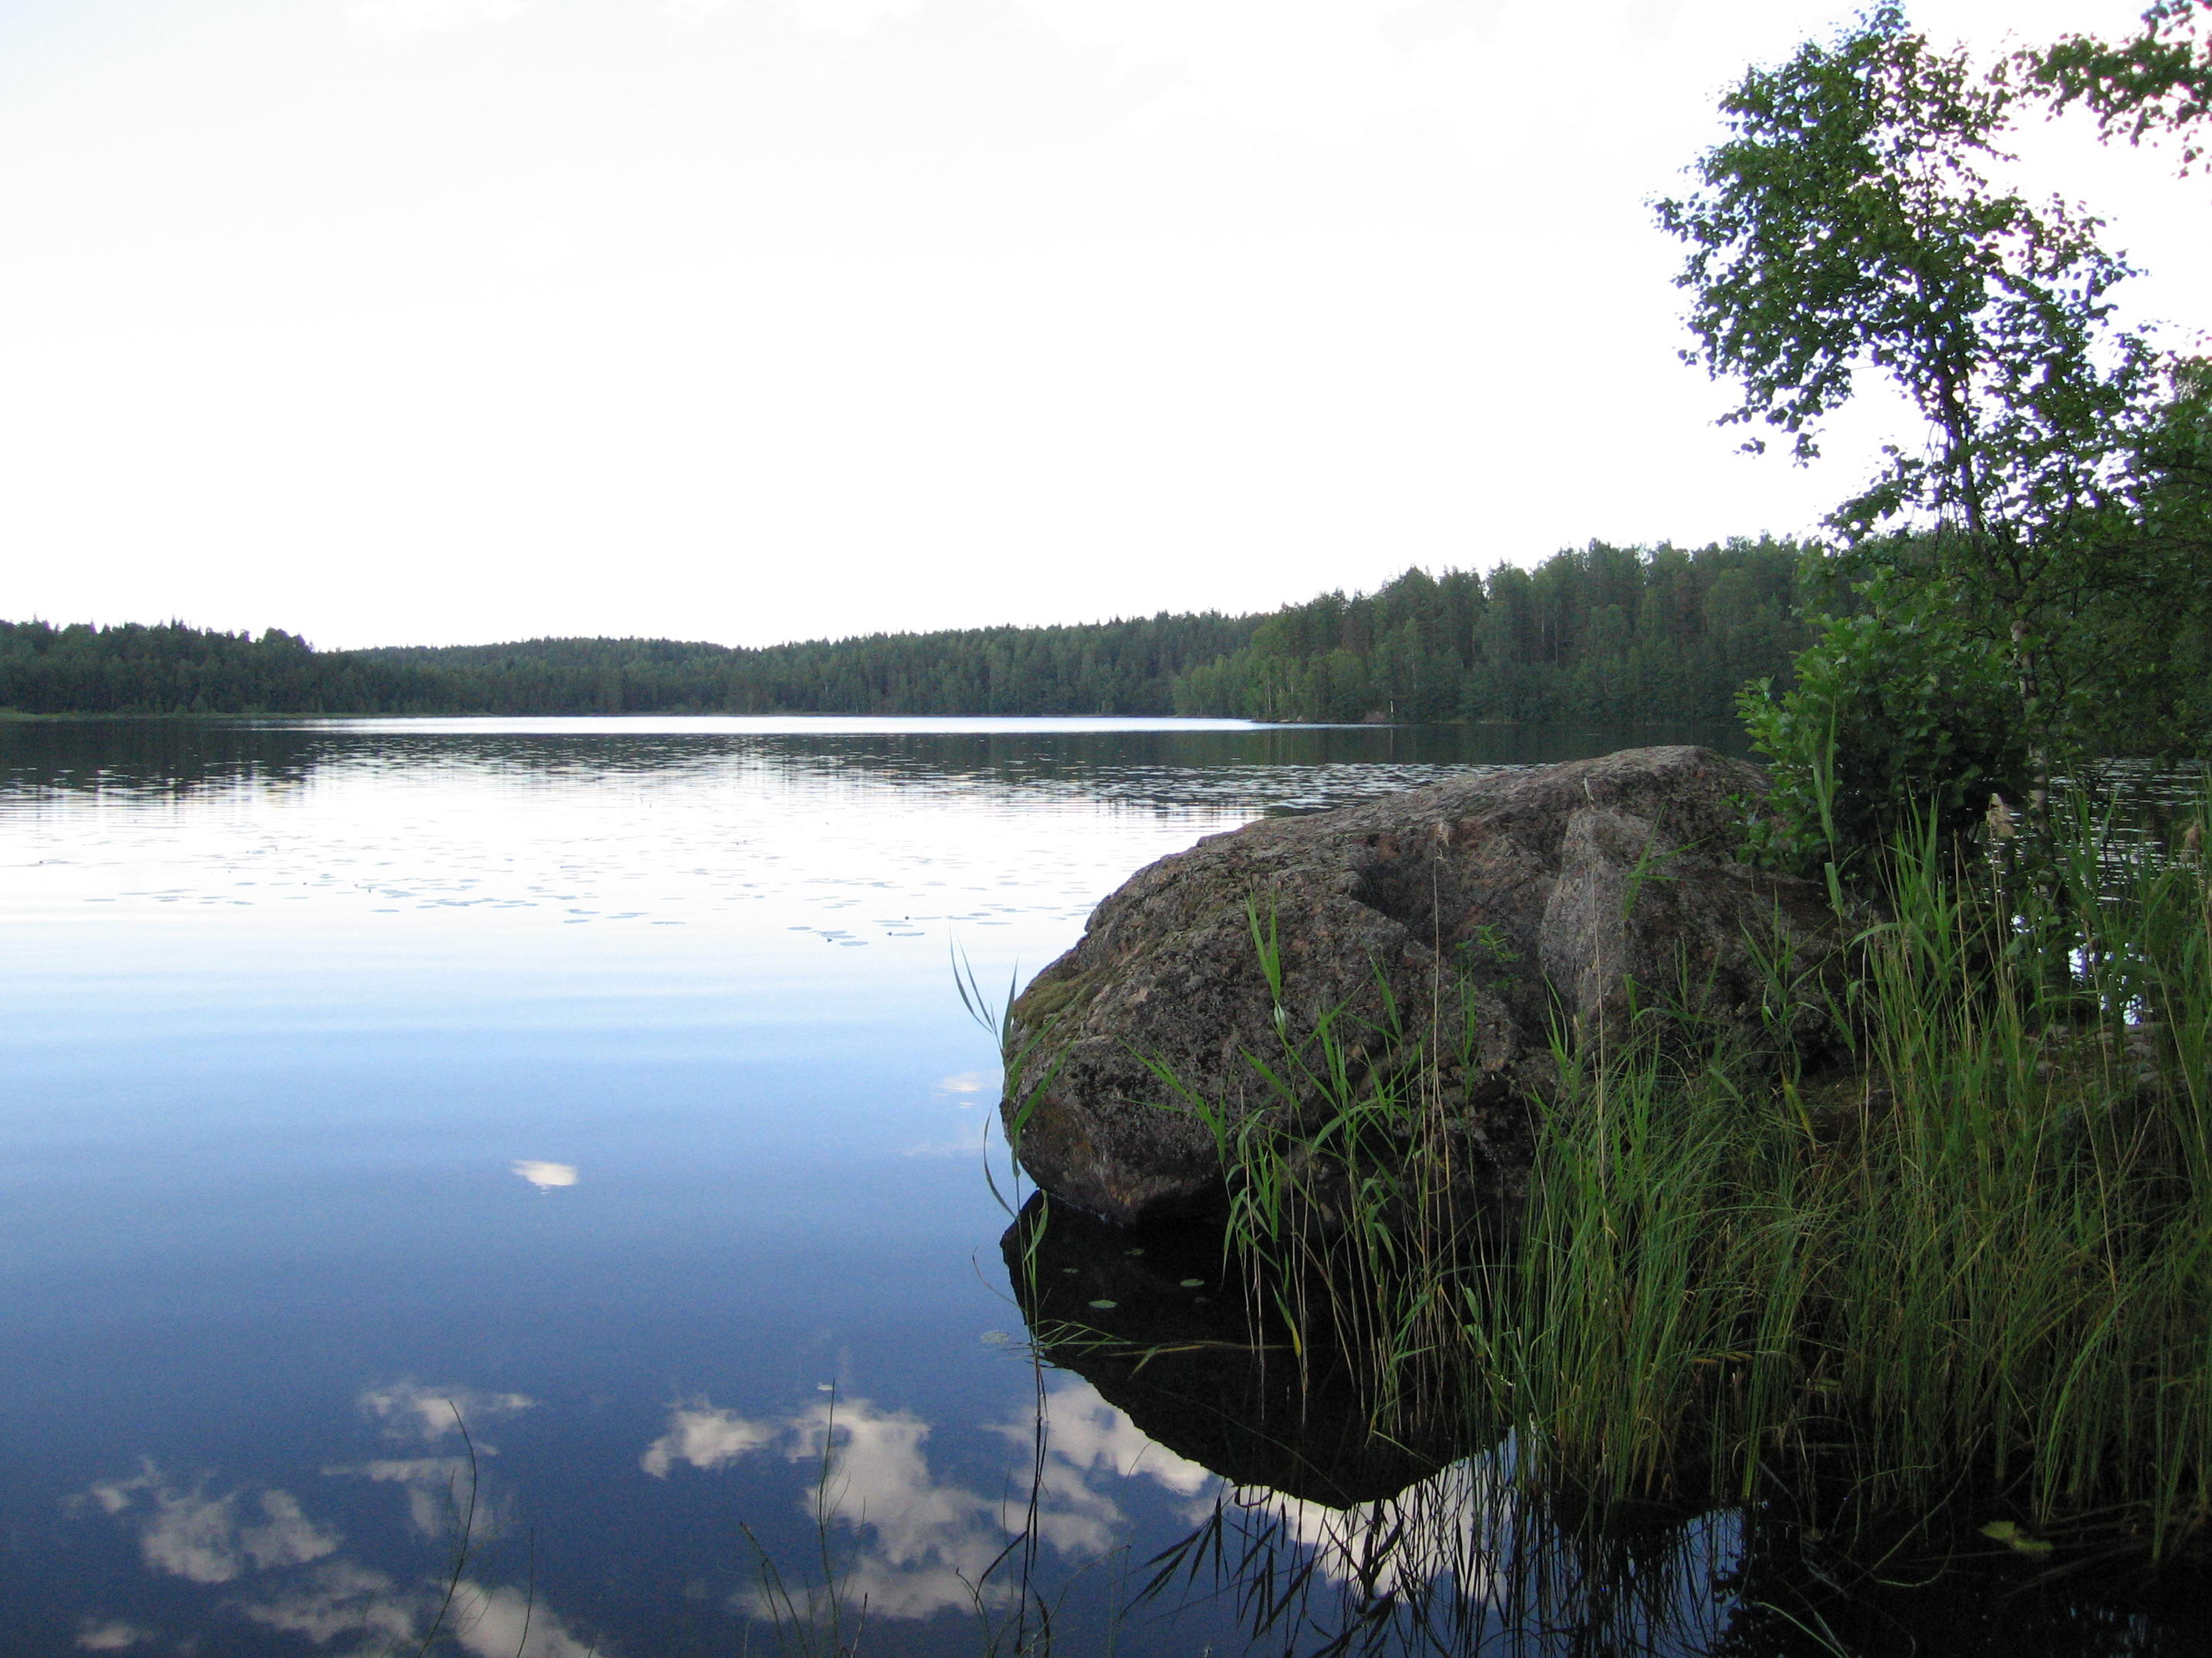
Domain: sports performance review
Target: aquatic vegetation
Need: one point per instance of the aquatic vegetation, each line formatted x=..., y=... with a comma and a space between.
x=1954, y=1285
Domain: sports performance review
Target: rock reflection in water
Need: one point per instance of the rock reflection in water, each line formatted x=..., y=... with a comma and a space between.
x=1325, y=1537
x=1144, y=1318
x=1325, y=1534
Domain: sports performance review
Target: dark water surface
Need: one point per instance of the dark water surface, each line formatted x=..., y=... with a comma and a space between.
x=589, y=1102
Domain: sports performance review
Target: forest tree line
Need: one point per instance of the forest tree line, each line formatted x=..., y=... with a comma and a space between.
x=1620, y=634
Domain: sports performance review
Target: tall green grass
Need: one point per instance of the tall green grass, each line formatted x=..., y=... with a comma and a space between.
x=1966, y=1277
x=1346, y=1203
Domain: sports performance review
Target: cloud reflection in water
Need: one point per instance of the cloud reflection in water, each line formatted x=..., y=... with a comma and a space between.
x=187, y=1534
x=704, y=1438
x=410, y=1410
x=434, y=1486
x=184, y=1531
x=340, y=1599
x=112, y=1635
x=930, y=1544
x=301, y=1585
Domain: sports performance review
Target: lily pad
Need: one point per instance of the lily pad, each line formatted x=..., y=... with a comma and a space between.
x=2019, y=1542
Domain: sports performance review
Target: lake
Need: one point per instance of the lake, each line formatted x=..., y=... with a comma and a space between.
x=534, y=1180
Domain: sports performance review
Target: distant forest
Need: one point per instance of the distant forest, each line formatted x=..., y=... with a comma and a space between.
x=1604, y=633
x=1614, y=633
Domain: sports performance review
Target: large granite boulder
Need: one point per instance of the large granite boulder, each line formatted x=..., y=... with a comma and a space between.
x=1473, y=920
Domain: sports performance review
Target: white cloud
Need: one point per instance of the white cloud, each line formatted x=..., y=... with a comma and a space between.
x=847, y=16
x=964, y=1089
x=1463, y=1525
x=968, y=1145
x=437, y=1489
x=494, y=1622
x=929, y=1543
x=542, y=247
x=408, y=1410
x=192, y=1537
x=1085, y=1436
x=705, y=1438
x=1457, y=1524
x=545, y=1176
x=1314, y=69
x=926, y=1543
x=1220, y=304
x=187, y=1534
x=1331, y=71
x=111, y=1635
x=342, y=1599
x=114, y=1496
x=285, y=1536
x=1088, y=1434
x=401, y=20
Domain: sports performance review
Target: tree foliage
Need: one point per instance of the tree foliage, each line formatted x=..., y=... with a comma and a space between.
x=2156, y=82
x=1121, y=667
x=1107, y=668
x=1849, y=226
x=1624, y=635
x=173, y=668
x=1608, y=633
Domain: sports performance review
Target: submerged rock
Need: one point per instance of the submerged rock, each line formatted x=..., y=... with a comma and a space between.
x=1469, y=922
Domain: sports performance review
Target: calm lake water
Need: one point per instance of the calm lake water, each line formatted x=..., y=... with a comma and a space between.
x=579, y=1119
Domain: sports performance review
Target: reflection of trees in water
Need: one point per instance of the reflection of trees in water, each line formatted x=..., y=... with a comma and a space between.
x=1287, y=768
x=152, y=758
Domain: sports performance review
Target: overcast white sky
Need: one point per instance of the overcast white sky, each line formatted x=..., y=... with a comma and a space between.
x=437, y=321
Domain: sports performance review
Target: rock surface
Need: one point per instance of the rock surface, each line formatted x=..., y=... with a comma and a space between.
x=1560, y=898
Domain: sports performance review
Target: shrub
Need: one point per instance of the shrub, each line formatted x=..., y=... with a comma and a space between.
x=1899, y=717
